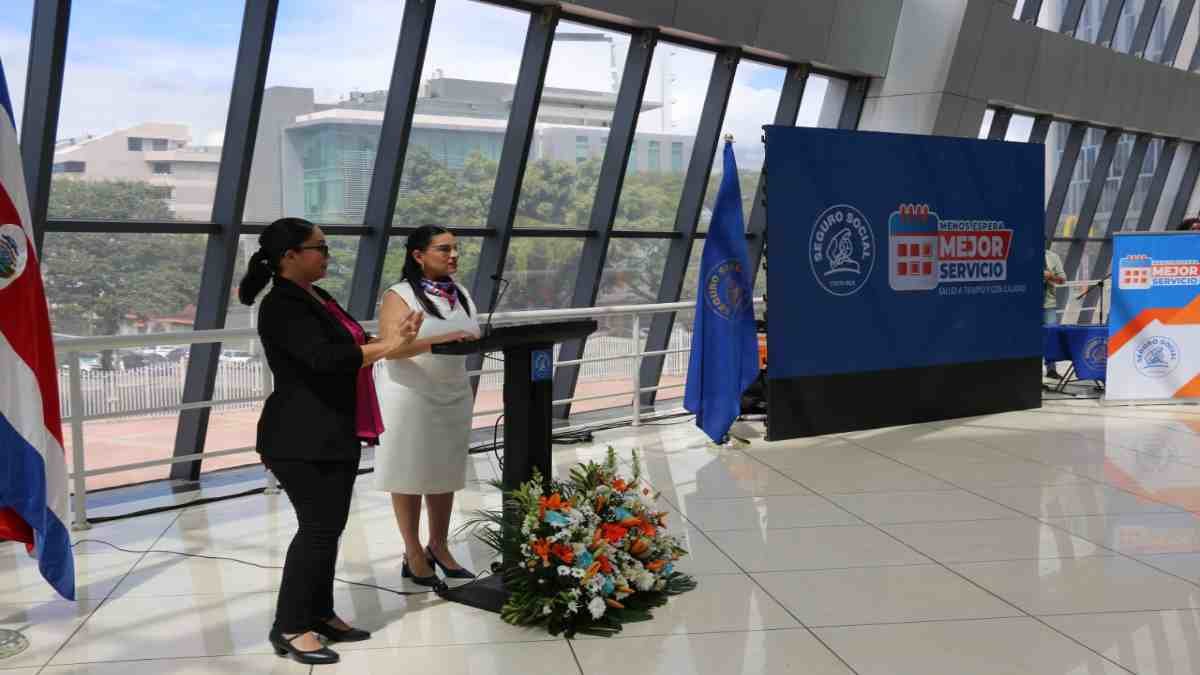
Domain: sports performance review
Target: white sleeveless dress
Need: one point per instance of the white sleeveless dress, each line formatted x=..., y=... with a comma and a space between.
x=426, y=405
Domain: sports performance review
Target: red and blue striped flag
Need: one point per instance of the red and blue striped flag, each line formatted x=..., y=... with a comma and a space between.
x=33, y=470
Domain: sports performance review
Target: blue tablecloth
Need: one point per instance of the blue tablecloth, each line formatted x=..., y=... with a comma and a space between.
x=1085, y=346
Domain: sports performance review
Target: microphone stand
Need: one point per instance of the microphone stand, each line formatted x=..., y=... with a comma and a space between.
x=497, y=296
x=1099, y=284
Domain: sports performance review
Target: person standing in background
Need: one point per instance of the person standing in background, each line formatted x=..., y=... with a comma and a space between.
x=1052, y=276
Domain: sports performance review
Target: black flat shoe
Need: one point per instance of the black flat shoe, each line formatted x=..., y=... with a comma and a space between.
x=339, y=635
x=432, y=581
x=460, y=575
x=284, y=647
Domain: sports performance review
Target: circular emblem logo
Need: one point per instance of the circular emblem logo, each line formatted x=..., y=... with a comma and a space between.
x=725, y=289
x=14, y=253
x=841, y=250
x=1095, y=352
x=1156, y=357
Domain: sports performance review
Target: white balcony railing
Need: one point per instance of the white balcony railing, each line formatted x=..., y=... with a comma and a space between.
x=156, y=390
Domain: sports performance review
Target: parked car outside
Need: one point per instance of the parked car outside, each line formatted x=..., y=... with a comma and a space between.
x=236, y=356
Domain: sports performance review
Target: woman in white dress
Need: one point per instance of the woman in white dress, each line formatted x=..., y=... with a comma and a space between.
x=426, y=404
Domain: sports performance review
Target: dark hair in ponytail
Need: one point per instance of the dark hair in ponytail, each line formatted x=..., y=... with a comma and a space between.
x=419, y=240
x=281, y=236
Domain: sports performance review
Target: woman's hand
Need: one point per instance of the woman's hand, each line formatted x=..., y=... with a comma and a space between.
x=398, y=334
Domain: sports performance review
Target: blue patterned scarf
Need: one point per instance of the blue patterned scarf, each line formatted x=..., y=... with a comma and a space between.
x=442, y=289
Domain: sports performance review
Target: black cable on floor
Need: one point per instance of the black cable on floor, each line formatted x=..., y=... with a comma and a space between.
x=243, y=562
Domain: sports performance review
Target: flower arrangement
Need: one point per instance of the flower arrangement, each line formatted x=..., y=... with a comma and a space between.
x=591, y=551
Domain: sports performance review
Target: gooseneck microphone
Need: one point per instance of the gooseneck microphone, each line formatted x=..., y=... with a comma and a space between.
x=502, y=286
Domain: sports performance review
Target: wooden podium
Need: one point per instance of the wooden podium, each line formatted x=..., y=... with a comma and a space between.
x=528, y=392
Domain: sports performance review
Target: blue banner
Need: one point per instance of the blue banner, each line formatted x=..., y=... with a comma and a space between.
x=891, y=251
x=1154, y=325
x=724, y=358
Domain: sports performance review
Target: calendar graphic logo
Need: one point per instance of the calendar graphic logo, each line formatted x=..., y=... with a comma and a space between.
x=913, y=237
x=1136, y=272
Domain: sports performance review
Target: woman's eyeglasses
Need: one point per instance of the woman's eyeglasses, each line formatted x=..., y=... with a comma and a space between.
x=323, y=248
x=444, y=249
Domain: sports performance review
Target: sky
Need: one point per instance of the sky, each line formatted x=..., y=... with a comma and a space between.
x=134, y=61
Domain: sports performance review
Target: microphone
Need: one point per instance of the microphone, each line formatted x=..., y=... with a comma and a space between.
x=497, y=295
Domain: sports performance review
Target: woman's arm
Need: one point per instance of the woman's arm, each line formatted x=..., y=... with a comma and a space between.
x=300, y=334
x=391, y=317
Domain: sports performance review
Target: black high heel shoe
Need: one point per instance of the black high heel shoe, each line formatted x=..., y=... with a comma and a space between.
x=461, y=575
x=339, y=635
x=432, y=581
x=283, y=647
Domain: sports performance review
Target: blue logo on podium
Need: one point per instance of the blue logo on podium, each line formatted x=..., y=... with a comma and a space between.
x=542, y=365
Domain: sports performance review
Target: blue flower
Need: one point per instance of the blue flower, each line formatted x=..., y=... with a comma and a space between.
x=584, y=559
x=609, y=587
x=557, y=519
x=621, y=513
x=666, y=570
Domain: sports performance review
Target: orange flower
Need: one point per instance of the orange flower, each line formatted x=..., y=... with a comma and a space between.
x=639, y=548
x=603, y=564
x=563, y=552
x=613, y=533
x=655, y=565
x=591, y=571
x=631, y=521
x=619, y=485
x=600, y=502
x=613, y=603
x=648, y=529
x=541, y=548
x=554, y=503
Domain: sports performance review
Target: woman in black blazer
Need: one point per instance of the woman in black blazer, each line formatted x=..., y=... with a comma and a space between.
x=313, y=424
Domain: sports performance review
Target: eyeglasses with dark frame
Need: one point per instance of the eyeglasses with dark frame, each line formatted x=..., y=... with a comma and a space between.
x=323, y=248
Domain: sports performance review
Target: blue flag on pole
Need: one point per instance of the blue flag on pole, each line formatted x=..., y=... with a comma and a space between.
x=724, y=358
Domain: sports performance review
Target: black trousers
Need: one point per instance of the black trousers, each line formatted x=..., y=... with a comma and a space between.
x=320, y=492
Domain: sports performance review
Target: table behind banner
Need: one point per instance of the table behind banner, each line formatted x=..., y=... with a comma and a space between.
x=1084, y=345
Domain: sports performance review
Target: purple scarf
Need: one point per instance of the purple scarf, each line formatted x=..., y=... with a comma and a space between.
x=442, y=289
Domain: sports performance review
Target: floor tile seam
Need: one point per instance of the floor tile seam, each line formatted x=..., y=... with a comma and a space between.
x=100, y=605
x=993, y=594
x=1059, y=467
x=1099, y=545
x=936, y=562
x=766, y=592
x=1120, y=409
x=1121, y=445
x=266, y=650
x=912, y=622
x=1121, y=611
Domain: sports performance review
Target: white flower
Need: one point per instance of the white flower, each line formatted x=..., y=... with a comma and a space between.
x=644, y=581
x=575, y=593
x=572, y=607
x=564, y=571
x=546, y=610
x=577, y=572
x=597, y=607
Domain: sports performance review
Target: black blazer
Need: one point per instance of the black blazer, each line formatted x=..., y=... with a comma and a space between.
x=315, y=361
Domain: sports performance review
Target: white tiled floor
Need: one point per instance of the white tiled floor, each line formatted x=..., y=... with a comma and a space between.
x=1059, y=541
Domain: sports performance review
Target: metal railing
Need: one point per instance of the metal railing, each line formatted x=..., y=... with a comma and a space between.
x=157, y=390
